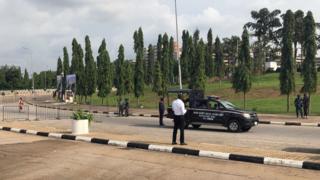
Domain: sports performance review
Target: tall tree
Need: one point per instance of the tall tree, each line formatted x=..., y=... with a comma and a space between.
x=219, y=61
x=120, y=73
x=193, y=44
x=241, y=81
x=209, y=55
x=104, y=79
x=165, y=61
x=59, y=67
x=157, y=80
x=26, y=80
x=231, y=50
x=266, y=28
x=66, y=67
x=199, y=77
x=185, y=59
x=151, y=61
x=172, y=61
x=90, y=69
x=309, y=71
x=128, y=80
x=75, y=57
x=139, y=66
x=80, y=74
x=287, y=80
x=298, y=32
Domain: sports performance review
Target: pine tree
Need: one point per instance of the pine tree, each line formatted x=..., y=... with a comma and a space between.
x=199, y=78
x=75, y=57
x=151, y=61
x=66, y=67
x=219, y=62
x=159, y=49
x=59, y=67
x=120, y=73
x=287, y=80
x=209, y=59
x=309, y=71
x=80, y=73
x=104, y=80
x=165, y=61
x=157, y=80
x=26, y=80
x=185, y=59
x=298, y=31
x=172, y=61
x=128, y=80
x=139, y=66
x=90, y=69
x=241, y=81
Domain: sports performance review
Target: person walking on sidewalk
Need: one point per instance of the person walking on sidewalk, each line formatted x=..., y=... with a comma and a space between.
x=298, y=104
x=179, y=111
x=20, y=104
x=306, y=102
x=161, y=111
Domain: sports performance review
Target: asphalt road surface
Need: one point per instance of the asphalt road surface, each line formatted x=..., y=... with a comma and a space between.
x=34, y=157
x=274, y=137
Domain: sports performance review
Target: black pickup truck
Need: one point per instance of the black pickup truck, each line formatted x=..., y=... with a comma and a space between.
x=212, y=110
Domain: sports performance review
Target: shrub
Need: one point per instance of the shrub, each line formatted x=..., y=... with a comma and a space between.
x=80, y=115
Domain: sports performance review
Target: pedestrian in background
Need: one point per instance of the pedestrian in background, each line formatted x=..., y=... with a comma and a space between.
x=179, y=111
x=21, y=103
x=306, y=103
x=121, y=107
x=161, y=111
x=298, y=104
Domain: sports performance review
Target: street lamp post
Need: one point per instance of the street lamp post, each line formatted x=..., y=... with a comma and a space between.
x=177, y=36
x=28, y=49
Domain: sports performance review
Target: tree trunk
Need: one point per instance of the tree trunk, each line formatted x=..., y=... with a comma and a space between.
x=288, y=102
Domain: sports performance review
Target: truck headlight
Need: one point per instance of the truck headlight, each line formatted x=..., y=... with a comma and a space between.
x=246, y=115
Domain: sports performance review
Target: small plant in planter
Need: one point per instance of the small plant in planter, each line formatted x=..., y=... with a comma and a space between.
x=81, y=121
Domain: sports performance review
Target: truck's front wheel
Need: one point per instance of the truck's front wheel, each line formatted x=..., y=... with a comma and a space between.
x=234, y=126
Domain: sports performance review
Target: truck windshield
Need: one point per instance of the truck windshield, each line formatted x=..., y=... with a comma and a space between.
x=228, y=105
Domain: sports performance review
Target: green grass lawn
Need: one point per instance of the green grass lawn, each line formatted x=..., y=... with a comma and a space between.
x=264, y=96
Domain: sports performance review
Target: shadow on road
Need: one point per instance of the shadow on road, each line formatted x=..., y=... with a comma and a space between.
x=302, y=150
x=189, y=129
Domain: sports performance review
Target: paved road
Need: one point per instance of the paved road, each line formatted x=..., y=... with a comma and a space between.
x=275, y=137
x=32, y=157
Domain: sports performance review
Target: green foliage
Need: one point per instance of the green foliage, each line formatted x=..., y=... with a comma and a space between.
x=219, y=67
x=26, y=80
x=209, y=55
x=185, y=58
x=66, y=67
x=139, y=66
x=157, y=80
x=120, y=72
x=80, y=115
x=309, y=71
x=128, y=79
x=298, y=30
x=244, y=54
x=59, y=67
x=230, y=50
x=199, y=78
x=172, y=62
x=104, y=78
x=90, y=69
x=150, y=65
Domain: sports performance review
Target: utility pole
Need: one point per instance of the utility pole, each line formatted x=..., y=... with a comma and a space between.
x=177, y=36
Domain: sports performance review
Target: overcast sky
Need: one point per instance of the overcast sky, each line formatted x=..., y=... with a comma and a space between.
x=43, y=27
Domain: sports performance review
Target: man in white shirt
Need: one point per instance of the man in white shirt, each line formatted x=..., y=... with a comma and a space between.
x=179, y=111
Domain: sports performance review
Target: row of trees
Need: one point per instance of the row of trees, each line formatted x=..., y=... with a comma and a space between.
x=11, y=78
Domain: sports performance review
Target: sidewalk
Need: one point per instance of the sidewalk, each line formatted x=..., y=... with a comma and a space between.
x=100, y=130
x=93, y=108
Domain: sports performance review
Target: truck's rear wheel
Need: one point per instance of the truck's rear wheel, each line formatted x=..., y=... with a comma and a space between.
x=234, y=126
x=196, y=126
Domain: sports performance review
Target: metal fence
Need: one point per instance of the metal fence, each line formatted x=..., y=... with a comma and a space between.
x=30, y=112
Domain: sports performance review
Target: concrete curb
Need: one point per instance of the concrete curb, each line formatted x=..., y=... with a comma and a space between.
x=288, y=123
x=175, y=150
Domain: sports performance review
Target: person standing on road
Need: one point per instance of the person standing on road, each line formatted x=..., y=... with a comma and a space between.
x=161, y=111
x=179, y=111
x=298, y=104
x=306, y=102
x=20, y=104
x=126, y=107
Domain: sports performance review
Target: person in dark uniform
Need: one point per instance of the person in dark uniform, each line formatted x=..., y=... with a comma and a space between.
x=161, y=111
x=126, y=107
x=179, y=111
x=121, y=107
x=298, y=104
x=306, y=103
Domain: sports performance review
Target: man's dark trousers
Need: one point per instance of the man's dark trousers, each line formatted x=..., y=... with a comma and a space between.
x=161, y=118
x=299, y=112
x=178, y=124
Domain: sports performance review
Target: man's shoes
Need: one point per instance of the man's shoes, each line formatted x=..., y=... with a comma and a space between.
x=183, y=144
x=174, y=143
